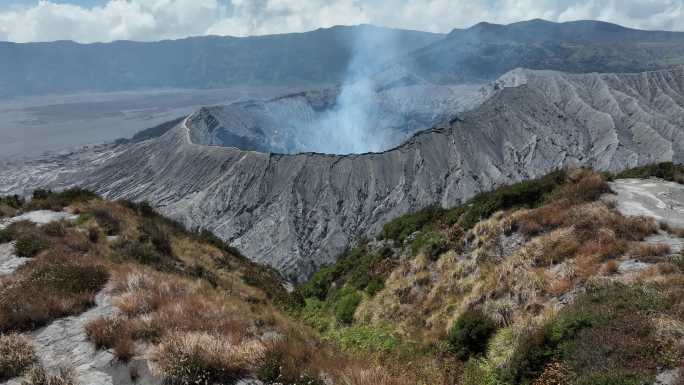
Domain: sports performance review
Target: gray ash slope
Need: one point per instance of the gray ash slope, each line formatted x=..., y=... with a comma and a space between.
x=298, y=212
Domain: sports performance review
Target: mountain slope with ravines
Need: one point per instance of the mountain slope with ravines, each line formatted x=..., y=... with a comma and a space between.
x=299, y=212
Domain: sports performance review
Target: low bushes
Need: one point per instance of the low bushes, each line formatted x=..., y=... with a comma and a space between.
x=141, y=252
x=616, y=316
x=37, y=375
x=112, y=333
x=346, y=307
x=17, y=355
x=530, y=194
x=49, y=200
x=29, y=245
x=29, y=237
x=359, y=268
x=10, y=205
x=109, y=224
x=666, y=170
x=644, y=250
x=191, y=358
x=470, y=334
x=399, y=229
x=52, y=285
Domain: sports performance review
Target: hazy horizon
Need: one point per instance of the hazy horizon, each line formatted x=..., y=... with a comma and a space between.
x=88, y=21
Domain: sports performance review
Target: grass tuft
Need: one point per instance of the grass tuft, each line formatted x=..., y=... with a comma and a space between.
x=17, y=355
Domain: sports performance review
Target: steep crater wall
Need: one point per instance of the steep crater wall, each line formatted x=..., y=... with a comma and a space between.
x=355, y=118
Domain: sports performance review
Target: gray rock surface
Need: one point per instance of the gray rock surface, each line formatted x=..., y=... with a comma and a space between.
x=9, y=262
x=63, y=343
x=39, y=217
x=655, y=198
x=298, y=212
x=668, y=377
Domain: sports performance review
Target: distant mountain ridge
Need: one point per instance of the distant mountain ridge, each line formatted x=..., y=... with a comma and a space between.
x=485, y=51
x=313, y=58
x=317, y=58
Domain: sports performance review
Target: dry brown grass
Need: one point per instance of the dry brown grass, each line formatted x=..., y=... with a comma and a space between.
x=112, y=333
x=7, y=211
x=559, y=286
x=37, y=375
x=369, y=376
x=103, y=332
x=644, y=250
x=610, y=267
x=554, y=373
x=55, y=284
x=198, y=357
x=675, y=231
x=17, y=354
x=556, y=247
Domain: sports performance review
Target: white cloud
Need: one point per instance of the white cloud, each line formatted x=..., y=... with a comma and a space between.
x=162, y=19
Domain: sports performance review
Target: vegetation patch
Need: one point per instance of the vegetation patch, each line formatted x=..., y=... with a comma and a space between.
x=190, y=358
x=360, y=269
x=470, y=334
x=616, y=315
x=57, y=201
x=38, y=375
x=55, y=284
x=666, y=170
x=17, y=355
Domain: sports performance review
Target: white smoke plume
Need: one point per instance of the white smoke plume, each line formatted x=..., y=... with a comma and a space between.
x=354, y=124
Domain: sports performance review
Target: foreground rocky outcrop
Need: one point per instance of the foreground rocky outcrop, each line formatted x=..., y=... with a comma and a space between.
x=298, y=212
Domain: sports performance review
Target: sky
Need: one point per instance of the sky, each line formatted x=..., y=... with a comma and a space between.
x=147, y=20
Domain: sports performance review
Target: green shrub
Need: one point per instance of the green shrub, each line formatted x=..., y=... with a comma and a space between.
x=367, y=339
x=29, y=245
x=13, y=201
x=346, y=307
x=616, y=315
x=143, y=253
x=5, y=236
x=158, y=235
x=666, y=170
x=477, y=371
x=70, y=278
x=358, y=269
x=432, y=243
x=400, y=228
x=470, y=334
x=531, y=193
x=200, y=272
x=49, y=200
x=375, y=285
x=315, y=314
x=109, y=224
x=93, y=234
